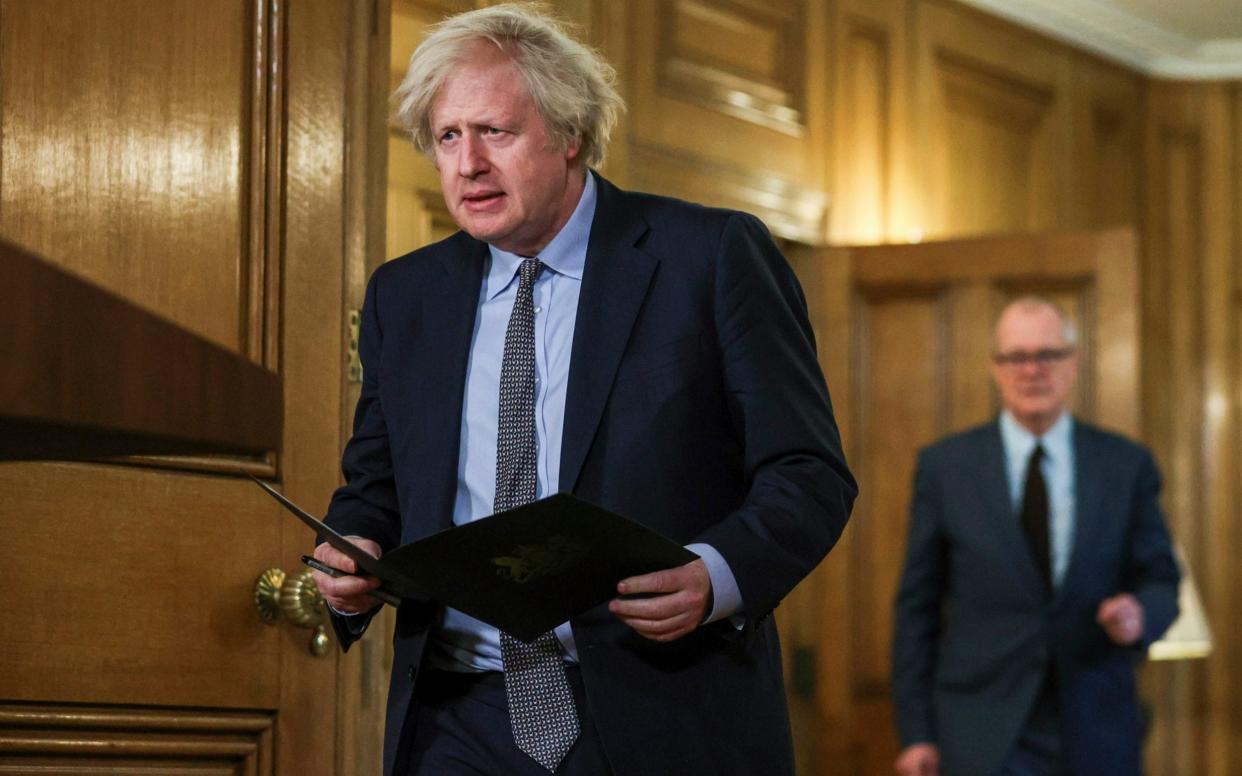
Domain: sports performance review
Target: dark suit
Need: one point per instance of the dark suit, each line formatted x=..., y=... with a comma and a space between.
x=976, y=631
x=695, y=405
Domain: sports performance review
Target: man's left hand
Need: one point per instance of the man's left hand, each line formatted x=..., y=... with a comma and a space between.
x=678, y=601
x=1121, y=617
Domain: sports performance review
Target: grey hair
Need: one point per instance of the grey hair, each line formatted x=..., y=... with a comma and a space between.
x=570, y=84
x=1033, y=302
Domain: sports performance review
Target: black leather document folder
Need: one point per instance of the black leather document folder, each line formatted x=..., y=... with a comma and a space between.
x=525, y=570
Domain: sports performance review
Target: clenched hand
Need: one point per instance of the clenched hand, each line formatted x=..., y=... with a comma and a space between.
x=346, y=594
x=678, y=601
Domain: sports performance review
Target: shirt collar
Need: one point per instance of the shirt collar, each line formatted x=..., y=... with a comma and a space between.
x=566, y=254
x=1019, y=441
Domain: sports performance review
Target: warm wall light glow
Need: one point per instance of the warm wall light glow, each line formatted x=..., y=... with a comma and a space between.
x=914, y=235
x=1217, y=406
x=146, y=167
x=1190, y=636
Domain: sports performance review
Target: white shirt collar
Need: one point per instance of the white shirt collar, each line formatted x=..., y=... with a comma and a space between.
x=1019, y=441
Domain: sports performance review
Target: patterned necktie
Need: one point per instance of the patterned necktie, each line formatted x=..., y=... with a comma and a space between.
x=1035, y=515
x=541, y=704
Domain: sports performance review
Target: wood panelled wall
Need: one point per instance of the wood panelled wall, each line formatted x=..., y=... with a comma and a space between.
x=1190, y=207
x=867, y=121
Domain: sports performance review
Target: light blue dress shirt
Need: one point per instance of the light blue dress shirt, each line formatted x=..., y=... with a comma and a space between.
x=1058, y=470
x=460, y=642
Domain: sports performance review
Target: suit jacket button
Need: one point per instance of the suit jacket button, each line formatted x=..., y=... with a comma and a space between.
x=411, y=672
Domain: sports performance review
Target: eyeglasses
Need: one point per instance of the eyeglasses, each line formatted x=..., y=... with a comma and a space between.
x=1041, y=358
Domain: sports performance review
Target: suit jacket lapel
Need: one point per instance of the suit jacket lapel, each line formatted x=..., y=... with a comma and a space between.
x=995, y=481
x=438, y=373
x=1088, y=492
x=614, y=283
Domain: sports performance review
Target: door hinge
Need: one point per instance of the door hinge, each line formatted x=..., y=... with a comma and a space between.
x=354, y=362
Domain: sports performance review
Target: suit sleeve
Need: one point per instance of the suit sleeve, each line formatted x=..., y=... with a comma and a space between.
x=800, y=491
x=917, y=611
x=366, y=505
x=1152, y=574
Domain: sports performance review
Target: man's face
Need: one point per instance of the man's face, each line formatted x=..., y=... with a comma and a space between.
x=1034, y=367
x=503, y=179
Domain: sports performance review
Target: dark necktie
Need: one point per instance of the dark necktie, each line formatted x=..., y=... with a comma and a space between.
x=1035, y=515
x=541, y=704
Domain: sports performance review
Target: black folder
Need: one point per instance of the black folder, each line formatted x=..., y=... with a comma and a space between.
x=525, y=570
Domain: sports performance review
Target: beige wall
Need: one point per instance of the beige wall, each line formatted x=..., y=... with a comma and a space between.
x=864, y=121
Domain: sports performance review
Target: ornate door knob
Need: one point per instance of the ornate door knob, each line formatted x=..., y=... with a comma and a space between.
x=296, y=598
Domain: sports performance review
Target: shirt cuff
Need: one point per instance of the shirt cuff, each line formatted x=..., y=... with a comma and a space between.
x=338, y=612
x=726, y=598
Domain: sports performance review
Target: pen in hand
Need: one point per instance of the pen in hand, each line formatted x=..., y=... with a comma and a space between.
x=380, y=594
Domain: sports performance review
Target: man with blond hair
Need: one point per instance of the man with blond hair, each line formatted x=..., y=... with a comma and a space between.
x=648, y=355
x=1038, y=570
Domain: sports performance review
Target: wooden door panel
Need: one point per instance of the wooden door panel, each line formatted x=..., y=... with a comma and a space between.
x=900, y=378
x=133, y=150
x=727, y=105
x=133, y=584
x=908, y=359
x=190, y=157
x=987, y=98
x=690, y=75
x=127, y=159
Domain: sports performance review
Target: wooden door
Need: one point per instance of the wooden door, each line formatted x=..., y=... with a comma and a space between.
x=905, y=338
x=190, y=157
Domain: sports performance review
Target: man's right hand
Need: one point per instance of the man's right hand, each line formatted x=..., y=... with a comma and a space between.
x=346, y=594
x=918, y=760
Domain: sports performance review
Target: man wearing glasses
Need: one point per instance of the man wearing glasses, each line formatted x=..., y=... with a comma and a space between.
x=1038, y=570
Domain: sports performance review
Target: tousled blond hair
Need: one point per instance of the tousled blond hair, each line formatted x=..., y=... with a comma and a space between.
x=571, y=85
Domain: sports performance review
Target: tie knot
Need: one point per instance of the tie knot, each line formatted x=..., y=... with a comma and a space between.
x=1035, y=462
x=529, y=271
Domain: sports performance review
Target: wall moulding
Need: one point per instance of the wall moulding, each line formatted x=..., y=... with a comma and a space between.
x=90, y=738
x=793, y=212
x=736, y=58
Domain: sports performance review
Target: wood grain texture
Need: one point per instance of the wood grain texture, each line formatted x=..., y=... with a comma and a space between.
x=153, y=201
x=181, y=144
x=1191, y=386
x=316, y=260
x=361, y=681
x=92, y=539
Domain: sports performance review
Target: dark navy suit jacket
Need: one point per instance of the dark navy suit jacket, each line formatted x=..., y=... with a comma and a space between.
x=975, y=631
x=695, y=405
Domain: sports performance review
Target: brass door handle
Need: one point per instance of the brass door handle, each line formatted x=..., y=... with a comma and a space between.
x=296, y=598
